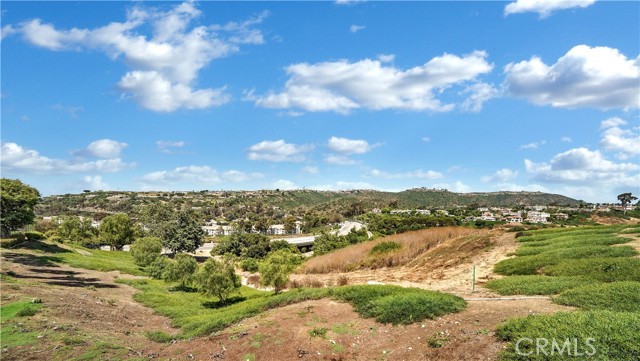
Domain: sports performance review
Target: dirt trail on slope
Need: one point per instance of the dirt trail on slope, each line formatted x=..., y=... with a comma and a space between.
x=447, y=267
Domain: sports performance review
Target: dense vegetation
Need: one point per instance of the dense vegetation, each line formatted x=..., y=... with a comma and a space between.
x=590, y=269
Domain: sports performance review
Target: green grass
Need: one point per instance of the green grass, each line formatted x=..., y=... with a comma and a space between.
x=199, y=315
x=535, y=284
x=614, y=335
x=15, y=330
x=318, y=332
x=385, y=247
x=615, y=296
x=159, y=336
x=103, y=351
x=583, y=266
x=48, y=254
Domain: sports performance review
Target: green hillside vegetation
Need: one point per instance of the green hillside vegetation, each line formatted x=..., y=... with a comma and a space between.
x=587, y=268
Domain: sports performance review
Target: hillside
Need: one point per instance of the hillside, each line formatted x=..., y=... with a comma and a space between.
x=343, y=202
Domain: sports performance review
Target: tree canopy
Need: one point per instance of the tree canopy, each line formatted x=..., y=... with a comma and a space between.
x=117, y=230
x=17, y=203
x=218, y=278
x=184, y=234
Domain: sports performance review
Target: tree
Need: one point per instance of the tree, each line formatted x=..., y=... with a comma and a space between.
x=184, y=234
x=626, y=198
x=218, y=278
x=290, y=224
x=275, y=270
x=77, y=230
x=182, y=270
x=145, y=250
x=16, y=205
x=157, y=219
x=117, y=230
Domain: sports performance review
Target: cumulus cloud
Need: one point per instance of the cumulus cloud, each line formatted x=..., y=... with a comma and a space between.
x=342, y=86
x=165, y=63
x=386, y=58
x=420, y=174
x=284, y=184
x=105, y=148
x=457, y=186
x=544, y=7
x=566, y=139
x=278, y=151
x=624, y=141
x=580, y=166
x=166, y=146
x=348, y=146
x=17, y=159
x=501, y=176
x=195, y=175
x=337, y=159
x=479, y=94
x=94, y=183
x=594, y=77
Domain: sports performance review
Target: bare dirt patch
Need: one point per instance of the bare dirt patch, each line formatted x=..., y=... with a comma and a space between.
x=286, y=334
x=446, y=267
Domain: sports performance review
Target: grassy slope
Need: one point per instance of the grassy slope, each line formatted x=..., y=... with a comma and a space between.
x=590, y=273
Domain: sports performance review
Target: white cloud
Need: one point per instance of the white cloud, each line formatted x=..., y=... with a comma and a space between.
x=342, y=86
x=71, y=110
x=342, y=185
x=355, y=28
x=164, y=146
x=94, y=183
x=624, y=141
x=311, y=170
x=348, y=2
x=386, y=58
x=500, y=176
x=284, y=184
x=349, y=146
x=17, y=159
x=166, y=63
x=566, y=139
x=533, y=145
x=544, y=7
x=480, y=93
x=278, y=151
x=339, y=160
x=105, y=148
x=420, y=174
x=457, y=187
x=580, y=166
x=195, y=175
x=6, y=31
x=426, y=139
x=598, y=77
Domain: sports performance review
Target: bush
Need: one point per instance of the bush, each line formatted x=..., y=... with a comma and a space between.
x=615, y=335
x=413, y=307
x=275, y=270
x=55, y=238
x=158, y=267
x=616, y=296
x=249, y=265
x=145, y=250
x=218, y=278
x=34, y=236
x=182, y=270
x=385, y=247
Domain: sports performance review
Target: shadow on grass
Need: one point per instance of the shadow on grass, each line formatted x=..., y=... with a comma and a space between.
x=181, y=288
x=33, y=260
x=219, y=304
x=63, y=278
x=41, y=246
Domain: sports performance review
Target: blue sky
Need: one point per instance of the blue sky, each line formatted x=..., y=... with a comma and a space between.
x=467, y=96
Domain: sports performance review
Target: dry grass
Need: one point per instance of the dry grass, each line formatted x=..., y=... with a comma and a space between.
x=359, y=256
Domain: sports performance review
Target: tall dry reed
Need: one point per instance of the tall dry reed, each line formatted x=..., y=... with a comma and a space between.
x=359, y=256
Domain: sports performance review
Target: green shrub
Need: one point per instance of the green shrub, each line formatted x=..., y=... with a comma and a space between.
x=158, y=268
x=27, y=311
x=145, y=250
x=600, y=269
x=249, y=265
x=181, y=270
x=55, y=238
x=34, y=236
x=535, y=284
x=159, y=336
x=408, y=308
x=384, y=247
x=275, y=270
x=614, y=335
x=616, y=296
